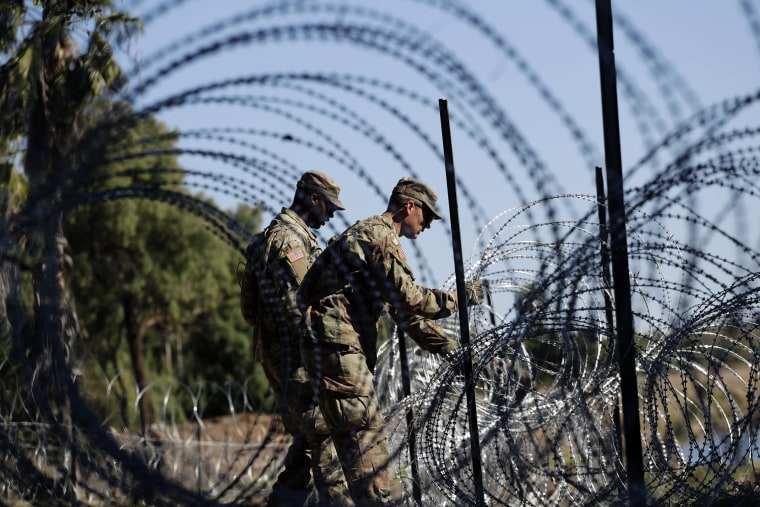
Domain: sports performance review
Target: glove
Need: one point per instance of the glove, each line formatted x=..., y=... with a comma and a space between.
x=474, y=291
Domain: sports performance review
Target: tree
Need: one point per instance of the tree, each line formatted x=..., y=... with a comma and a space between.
x=45, y=82
x=165, y=282
x=218, y=347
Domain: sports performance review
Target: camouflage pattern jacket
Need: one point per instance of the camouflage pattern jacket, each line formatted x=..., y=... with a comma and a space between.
x=361, y=272
x=280, y=262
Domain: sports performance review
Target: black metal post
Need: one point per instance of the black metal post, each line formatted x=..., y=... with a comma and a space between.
x=407, y=390
x=489, y=301
x=604, y=251
x=464, y=324
x=619, y=253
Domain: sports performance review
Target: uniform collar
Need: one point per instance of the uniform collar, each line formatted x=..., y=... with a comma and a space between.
x=288, y=215
x=387, y=219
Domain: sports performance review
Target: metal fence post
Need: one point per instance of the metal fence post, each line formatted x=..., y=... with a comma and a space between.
x=464, y=324
x=619, y=253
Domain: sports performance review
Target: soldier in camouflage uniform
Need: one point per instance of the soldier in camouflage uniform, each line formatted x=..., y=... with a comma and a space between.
x=277, y=260
x=362, y=272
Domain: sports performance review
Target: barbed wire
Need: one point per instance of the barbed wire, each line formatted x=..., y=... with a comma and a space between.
x=544, y=354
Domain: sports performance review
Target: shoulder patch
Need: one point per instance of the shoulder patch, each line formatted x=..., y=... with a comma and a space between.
x=401, y=253
x=294, y=255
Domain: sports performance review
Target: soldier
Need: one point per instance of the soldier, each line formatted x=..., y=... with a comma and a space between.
x=361, y=272
x=277, y=260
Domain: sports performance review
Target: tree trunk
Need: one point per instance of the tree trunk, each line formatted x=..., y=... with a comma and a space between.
x=5, y=180
x=5, y=324
x=43, y=165
x=136, y=330
x=5, y=327
x=52, y=338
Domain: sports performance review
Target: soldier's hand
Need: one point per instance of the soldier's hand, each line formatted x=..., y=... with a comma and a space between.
x=474, y=291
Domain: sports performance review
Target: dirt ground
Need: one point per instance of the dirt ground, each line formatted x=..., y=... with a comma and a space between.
x=237, y=456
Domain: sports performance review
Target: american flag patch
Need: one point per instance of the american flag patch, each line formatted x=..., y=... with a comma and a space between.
x=295, y=255
x=401, y=253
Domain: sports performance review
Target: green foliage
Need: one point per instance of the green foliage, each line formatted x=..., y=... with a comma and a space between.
x=46, y=80
x=249, y=217
x=11, y=16
x=175, y=275
x=13, y=188
x=150, y=283
x=386, y=326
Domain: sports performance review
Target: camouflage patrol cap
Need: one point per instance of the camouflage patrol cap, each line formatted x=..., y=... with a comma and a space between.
x=410, y=187
x=324, y=185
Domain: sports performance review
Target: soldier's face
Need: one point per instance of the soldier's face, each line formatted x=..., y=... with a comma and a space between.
x=320, y=213
x=417, y=220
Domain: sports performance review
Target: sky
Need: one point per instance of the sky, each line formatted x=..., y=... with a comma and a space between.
x=352, y=88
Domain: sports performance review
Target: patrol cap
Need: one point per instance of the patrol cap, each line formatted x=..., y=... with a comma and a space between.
x=321, y=183
x=416, y=189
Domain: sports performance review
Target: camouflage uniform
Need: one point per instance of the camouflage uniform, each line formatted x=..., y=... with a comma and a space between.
x=344, y=293
x=280, y=262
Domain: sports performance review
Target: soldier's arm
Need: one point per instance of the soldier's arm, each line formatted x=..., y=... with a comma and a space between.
x=288, y=266
x=429, y=335
x=405, y=296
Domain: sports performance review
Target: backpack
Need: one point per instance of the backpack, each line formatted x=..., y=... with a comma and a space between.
x=249, y=283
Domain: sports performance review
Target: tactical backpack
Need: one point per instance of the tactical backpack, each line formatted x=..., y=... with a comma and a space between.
x=249, y=283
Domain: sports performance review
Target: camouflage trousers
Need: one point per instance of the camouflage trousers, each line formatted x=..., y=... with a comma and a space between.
x=311, y=462
x=356, y=424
